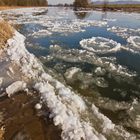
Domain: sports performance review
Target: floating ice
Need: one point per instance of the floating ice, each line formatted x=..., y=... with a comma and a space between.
x=66, y=107
x=134, y=41
x=41, y=33
x=101, y=82
x=84, y=56
x=70, y=72
x=100, y=45
x=100, y=71
x=52, y=24
x=124, y=32
x=107, y=124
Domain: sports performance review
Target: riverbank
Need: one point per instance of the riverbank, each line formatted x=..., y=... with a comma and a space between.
x=23, y=118
x=118, y=7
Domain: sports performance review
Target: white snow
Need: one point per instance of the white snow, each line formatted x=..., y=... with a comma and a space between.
x=107, y=124
x=15, y=87
x=38, y=106
x=1, y=81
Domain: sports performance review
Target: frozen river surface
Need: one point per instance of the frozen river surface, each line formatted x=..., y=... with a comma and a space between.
x=97, y=55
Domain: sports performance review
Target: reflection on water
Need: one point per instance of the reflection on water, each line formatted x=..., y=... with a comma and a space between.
x=81, y=14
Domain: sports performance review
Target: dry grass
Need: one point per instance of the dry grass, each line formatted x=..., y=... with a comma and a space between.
x=6, y=32
x=10, y=7
x=4, y=7
x=1, y=133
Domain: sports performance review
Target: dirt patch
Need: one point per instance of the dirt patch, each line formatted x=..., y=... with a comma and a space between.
x=23, y=122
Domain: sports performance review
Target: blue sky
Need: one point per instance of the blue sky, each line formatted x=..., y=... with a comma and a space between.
x=71, y=1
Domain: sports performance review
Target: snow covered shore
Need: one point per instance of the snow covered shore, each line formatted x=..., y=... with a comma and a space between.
x=65, y=105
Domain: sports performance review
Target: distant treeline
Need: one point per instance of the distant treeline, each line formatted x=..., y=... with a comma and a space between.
x=81, y=3
x=23, y=3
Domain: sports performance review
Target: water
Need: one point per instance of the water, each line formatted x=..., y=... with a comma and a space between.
x=109, y=78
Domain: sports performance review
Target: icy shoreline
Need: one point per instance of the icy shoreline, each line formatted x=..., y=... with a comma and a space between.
x=66, y=107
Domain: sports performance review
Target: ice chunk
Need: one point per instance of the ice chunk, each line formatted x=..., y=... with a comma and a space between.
x=107, y=124
x=1, y=81
x=101, y=82
x=41, y=33
x=100, y=45
x=100, y=71
x=38, y=106
x=15, y=87
x=135, y=41
x=71, y=72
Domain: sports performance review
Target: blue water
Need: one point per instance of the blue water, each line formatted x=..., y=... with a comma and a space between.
x=40, y=46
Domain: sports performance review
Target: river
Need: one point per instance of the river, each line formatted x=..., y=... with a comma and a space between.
x=95, y=53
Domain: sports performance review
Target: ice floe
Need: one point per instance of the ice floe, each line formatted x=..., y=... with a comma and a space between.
x=100, y=45
x=134, y=41
x=51, y=24
x=124, y=32
x=70, y=72
x=82, y=56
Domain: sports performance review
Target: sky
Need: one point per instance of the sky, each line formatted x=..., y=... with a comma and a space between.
x=71, y=1
x=60, y=1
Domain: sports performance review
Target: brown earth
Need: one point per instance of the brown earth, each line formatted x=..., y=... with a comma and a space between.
x=22, y=122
